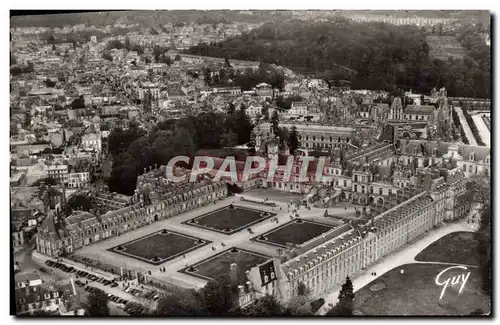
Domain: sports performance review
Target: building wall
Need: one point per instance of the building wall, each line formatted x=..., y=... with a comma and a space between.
x=331, y=269
x=120, y=223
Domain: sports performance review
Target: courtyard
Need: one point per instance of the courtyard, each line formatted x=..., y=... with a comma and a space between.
x=159, y=247
x=229, y=219
x=295, y=232
x=219, y=264
x=414, y=292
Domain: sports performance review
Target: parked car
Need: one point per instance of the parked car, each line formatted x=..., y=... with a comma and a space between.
x=113, y=285
x=121, y=306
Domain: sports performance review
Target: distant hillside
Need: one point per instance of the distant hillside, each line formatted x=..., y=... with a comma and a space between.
x=146, y=18
x=370, y=55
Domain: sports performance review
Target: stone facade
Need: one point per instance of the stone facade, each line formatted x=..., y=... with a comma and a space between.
x=58, y=236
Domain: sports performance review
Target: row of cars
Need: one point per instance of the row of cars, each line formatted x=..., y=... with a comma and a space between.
x=150, y=295
x=81, y=273
x=120, y=302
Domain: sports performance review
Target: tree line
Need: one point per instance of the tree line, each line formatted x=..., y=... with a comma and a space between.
x=217, y=299
x=370, y=55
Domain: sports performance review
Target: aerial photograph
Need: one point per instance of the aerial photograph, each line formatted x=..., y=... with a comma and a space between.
x=250, y=163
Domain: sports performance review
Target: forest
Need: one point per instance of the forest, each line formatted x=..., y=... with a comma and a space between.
x=370, y=55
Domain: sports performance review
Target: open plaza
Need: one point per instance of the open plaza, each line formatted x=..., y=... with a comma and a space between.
x=193, y=253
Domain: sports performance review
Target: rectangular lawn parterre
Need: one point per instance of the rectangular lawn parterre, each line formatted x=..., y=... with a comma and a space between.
x=229, y=220
x=296, y=232
x=159, y=247
x=218, y=265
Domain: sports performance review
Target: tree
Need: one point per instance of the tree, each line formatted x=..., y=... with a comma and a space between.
x=177, y=57
x=227, y=64
x=298, y=306
x=229, y=139
x=80, y=202
x=46, y=193
x=230, y=108
x=283, y=135
x=182, y=303
x=107, y=56
x=78, y=103
x=97, y=303
x=293, y=140
x=240, y=124
x=345, y=305
x=217, y=295
x=265, y=306
x=49, y=83
x=140, y=151
x=252, y=142
x=302, y=290
x=275, y=120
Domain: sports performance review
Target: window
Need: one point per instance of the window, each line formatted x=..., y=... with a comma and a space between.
x=266, y=278
x=56, y=294
x=46, y=296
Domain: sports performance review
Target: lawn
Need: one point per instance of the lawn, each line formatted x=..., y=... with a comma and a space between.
x=294, y=232
x=415, y=293
x=163, y=246
x=457, y=247
x=229, y=220
x=219, y=264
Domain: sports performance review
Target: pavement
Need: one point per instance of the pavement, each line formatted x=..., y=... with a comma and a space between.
x=31, y=262
x=406, y=255
x=241, y=239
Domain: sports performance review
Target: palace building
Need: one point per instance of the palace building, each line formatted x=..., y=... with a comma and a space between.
x=324, y=262
x=310, y=135
x=155, y=199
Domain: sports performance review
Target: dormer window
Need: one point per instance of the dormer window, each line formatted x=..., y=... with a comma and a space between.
x=414, y=151
x=472, y=156
x=487, y=160
x=266, y=278
x=434, y=152
x=272, y=276
x=46, y=296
